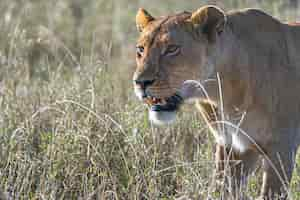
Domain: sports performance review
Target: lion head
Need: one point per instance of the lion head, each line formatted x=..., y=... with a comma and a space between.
x=173, y=49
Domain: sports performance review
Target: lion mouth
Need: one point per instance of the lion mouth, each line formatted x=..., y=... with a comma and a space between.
x=151, y=100
x=169, y=104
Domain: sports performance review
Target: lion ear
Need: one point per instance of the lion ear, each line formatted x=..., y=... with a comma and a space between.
x=142, y=19
x=210, y=20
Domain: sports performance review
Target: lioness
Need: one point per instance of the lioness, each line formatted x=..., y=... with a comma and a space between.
x=256, y=59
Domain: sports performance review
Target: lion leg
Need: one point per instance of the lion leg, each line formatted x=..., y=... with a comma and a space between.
x=208, y=109
x=275, y=182
x=235, y=169
x=219, y=157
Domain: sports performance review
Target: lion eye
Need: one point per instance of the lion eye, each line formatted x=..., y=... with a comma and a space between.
x=139, y=51
x=172, y=50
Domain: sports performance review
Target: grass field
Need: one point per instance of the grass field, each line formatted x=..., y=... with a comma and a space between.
x=70, y=125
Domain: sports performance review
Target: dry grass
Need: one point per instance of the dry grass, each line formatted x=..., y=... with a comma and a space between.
x=70, y=126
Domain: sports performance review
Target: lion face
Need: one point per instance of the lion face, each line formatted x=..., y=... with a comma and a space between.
x=171, y=50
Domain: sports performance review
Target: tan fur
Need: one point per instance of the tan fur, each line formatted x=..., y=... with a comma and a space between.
x=143, y=18
x=258, y=61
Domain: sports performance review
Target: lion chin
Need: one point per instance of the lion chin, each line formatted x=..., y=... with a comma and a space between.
x=161, y=118
x=162, y=111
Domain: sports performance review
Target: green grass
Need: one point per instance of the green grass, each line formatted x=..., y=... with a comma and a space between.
x=70, y=125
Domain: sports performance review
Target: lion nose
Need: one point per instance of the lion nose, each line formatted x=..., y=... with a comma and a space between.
x=144, y=83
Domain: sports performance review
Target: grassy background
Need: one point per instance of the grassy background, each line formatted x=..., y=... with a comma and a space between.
x=70, y=125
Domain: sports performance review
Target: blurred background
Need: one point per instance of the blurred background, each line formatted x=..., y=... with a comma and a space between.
x=70, y=125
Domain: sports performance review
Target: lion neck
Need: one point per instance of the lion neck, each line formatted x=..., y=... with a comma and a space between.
x=228, y=59
x=252, y=69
